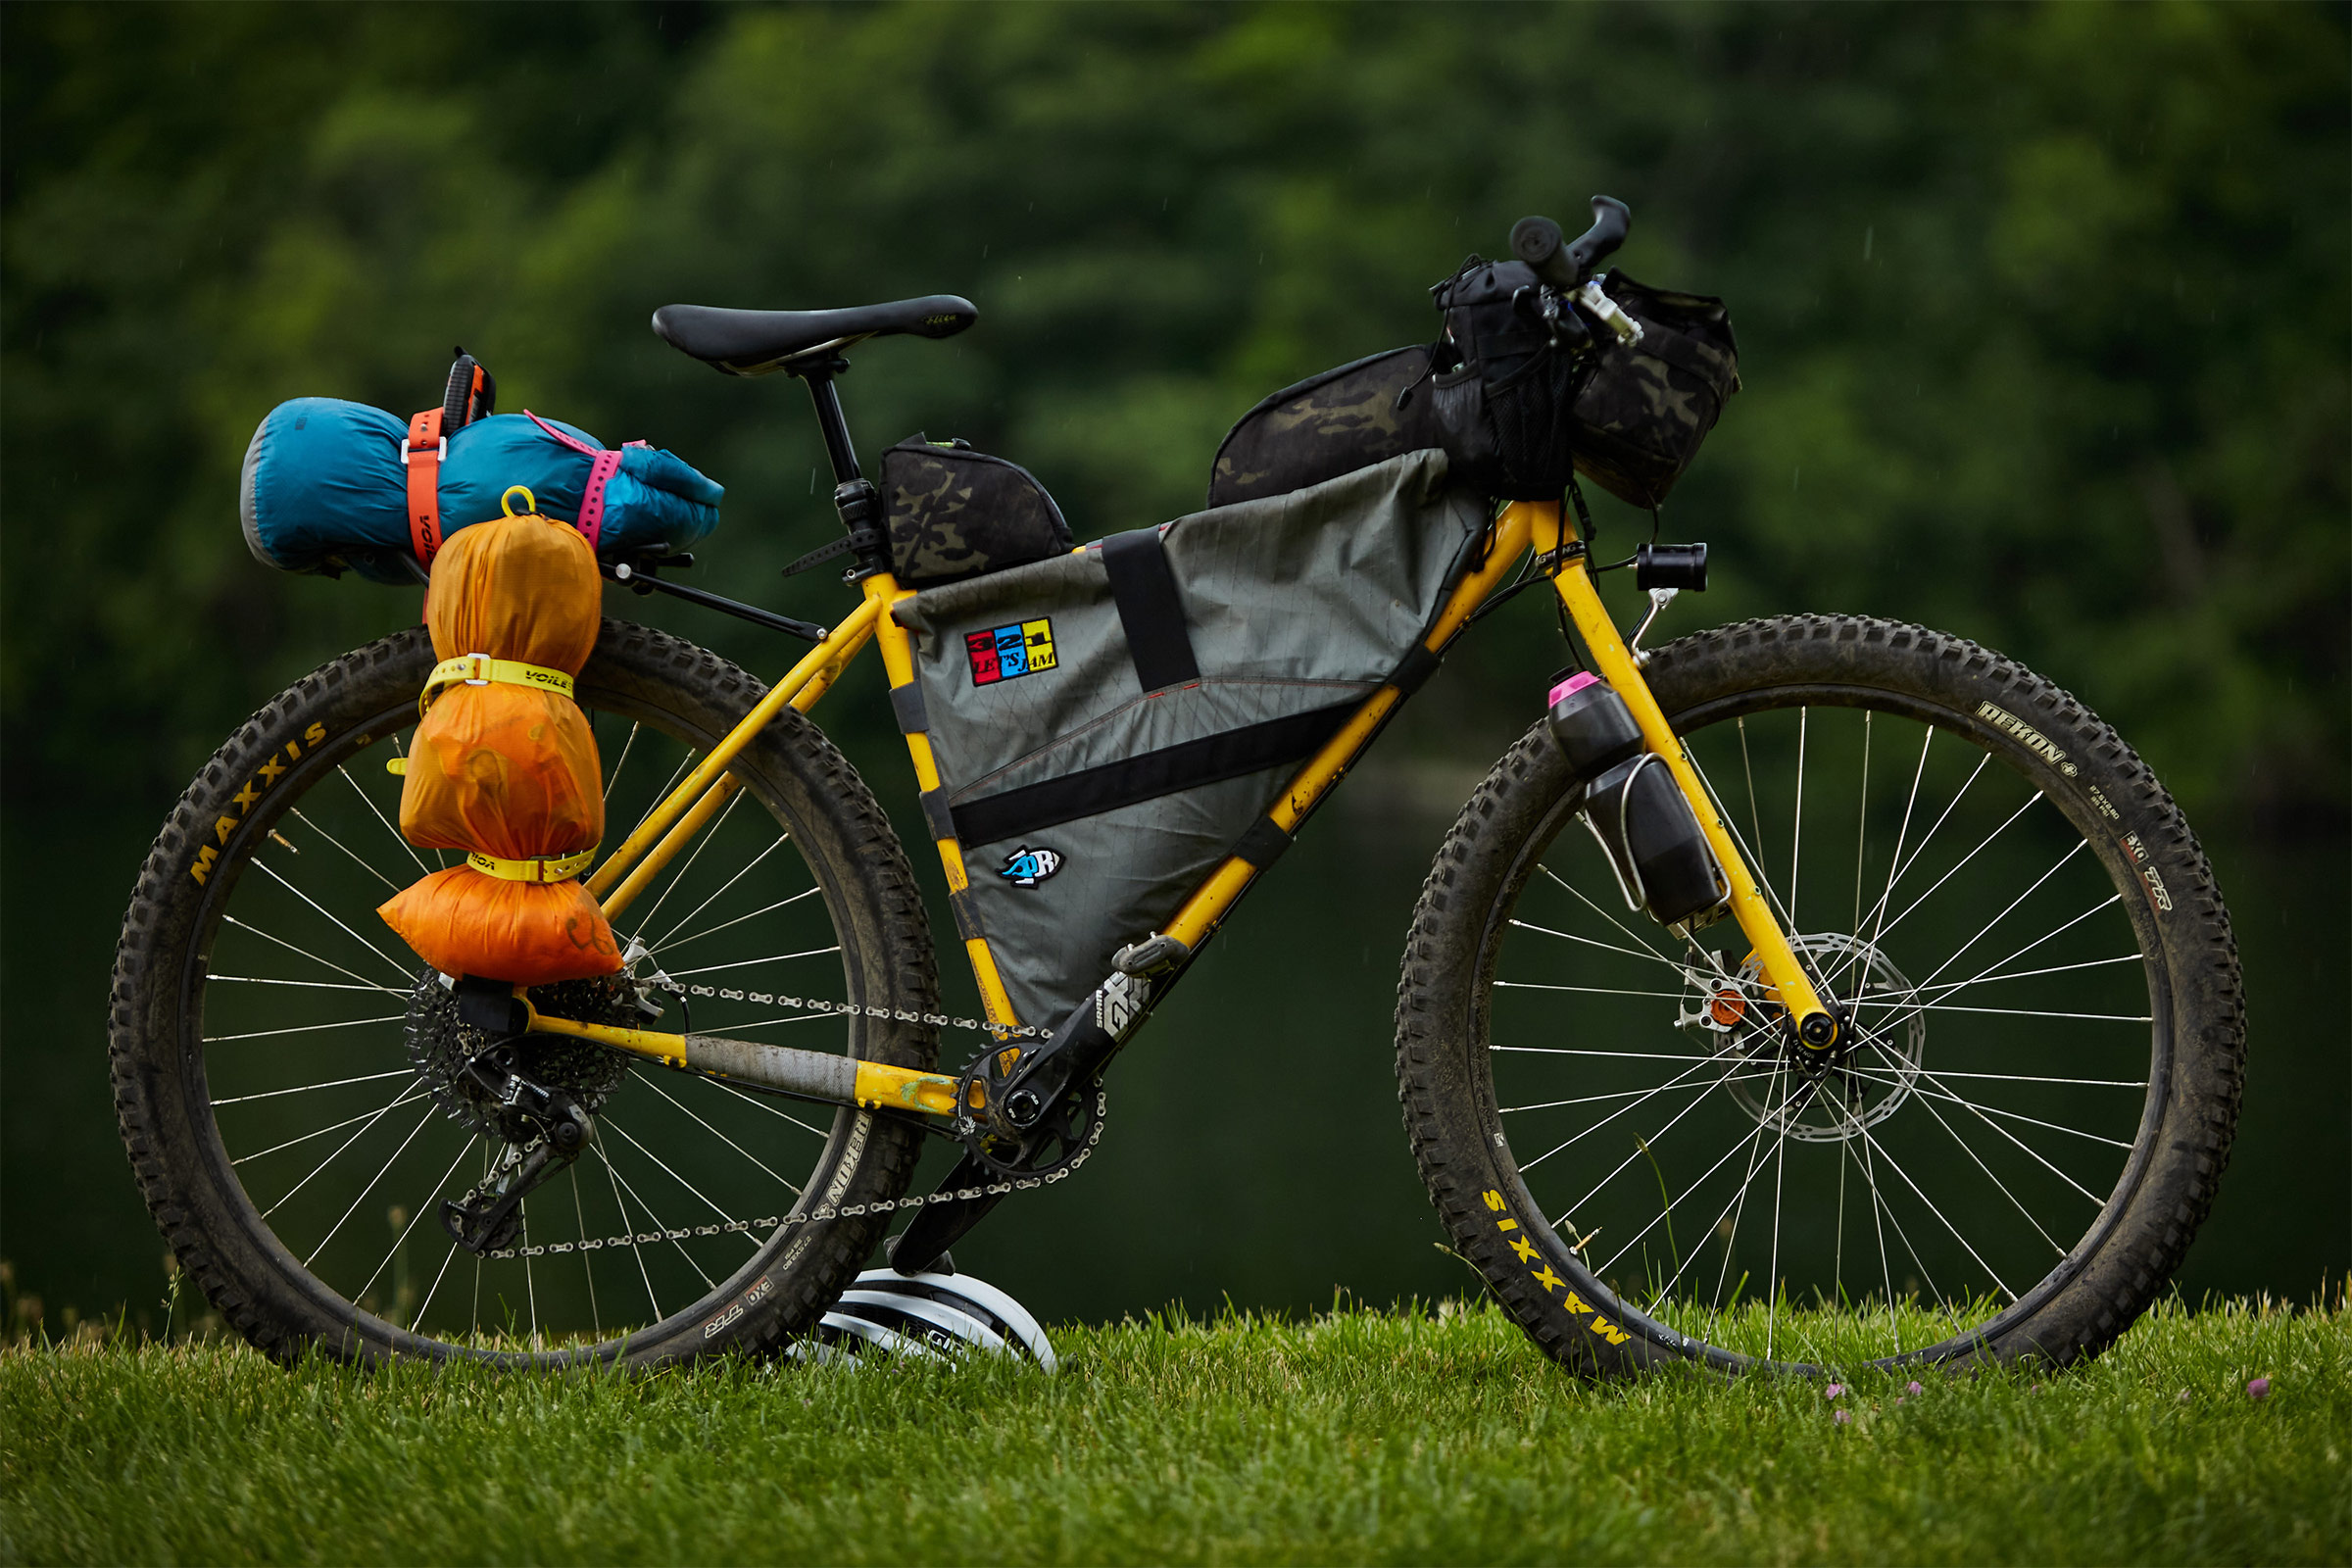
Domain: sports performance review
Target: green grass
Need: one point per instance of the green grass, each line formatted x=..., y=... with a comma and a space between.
x=1357, y=1436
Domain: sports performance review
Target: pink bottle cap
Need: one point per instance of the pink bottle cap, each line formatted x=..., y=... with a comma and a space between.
x=1573, y=684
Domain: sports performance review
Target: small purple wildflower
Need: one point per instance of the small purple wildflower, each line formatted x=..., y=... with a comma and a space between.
x=1898, y=1401
x=1913, y=1388
x=2184, y=1396
x=1838, y=1389
x=2259, y=1388
x=1843, y=1416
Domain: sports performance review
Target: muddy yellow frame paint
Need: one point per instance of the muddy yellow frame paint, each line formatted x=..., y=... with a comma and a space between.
x=879, y=1085
x=1522, y=526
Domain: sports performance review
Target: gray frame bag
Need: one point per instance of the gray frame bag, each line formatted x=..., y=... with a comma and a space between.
x=1110, y=725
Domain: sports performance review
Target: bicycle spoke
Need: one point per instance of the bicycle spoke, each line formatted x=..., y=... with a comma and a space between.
x=303, y=1029
x=1653, y=1139
x=365, y=982
x=1895, y=1166
x=1957, y=867
x=265, y=867
x=662, y=1229
x=1606, y=916
x=1796, y=837
x=464, y=1149
x=307, y=984
x=302, y=1089
x=596, y=1318
x=1721, y=1160
x=1928, y=1102
x=741, y=872
x=1861, y=840
x=808, y=893
x=703, y=841
x=706, y=1127
x=612, y=779
x=405, y=1098
x=747, y=964
x=1620, y=1094
x=394, y=833
x=1605, y=946
x=357, y=858
x=422, y=1122
x=1590, y=991
x=762, y=1103
x=609, y=1125
x=629, y=1225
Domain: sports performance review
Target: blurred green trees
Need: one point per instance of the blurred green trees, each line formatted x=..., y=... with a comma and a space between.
x=2043, y=311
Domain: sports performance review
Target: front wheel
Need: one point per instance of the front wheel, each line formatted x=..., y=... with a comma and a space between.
x=292, y=1081
x=2008, y=1156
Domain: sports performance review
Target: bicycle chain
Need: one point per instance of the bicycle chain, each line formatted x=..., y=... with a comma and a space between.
x=828, y=1211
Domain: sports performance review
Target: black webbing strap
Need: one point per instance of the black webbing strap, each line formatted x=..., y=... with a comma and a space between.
x=906, y=706
x=1412, y=672
x=1261, y=843
x=968, y=928
x=1147, y=775
x=936, y=815
x=1145, y=590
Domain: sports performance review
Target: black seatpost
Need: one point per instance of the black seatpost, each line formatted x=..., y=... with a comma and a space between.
x=853, y=495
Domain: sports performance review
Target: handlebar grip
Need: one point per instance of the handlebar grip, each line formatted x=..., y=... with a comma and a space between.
x=1611, y=221
x=1538, y=243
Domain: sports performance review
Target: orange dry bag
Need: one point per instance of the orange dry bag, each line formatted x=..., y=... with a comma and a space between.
x=504, y=766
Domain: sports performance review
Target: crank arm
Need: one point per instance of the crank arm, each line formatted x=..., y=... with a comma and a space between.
x=805, y=1074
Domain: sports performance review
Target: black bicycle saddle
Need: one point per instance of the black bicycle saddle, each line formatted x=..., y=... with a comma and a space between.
x=756, y=342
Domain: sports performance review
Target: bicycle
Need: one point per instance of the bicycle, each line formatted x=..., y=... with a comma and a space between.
x=1597, y=1100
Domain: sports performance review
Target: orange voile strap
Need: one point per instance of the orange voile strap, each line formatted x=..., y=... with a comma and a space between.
x=422, y=455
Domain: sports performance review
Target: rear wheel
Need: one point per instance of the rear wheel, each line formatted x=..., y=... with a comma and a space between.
x=288, y=1073
x=2046, y=1035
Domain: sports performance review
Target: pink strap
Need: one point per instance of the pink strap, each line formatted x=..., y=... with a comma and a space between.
x=592, y=500
x=571, y=441
x=600, y=471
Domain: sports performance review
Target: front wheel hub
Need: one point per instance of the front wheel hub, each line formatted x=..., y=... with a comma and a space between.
x=1832, y=1091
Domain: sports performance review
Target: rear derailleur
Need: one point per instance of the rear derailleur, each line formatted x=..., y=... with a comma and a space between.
x=554, y=1130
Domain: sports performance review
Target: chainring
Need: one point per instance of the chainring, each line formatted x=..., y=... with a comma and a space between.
x=1059, y=1140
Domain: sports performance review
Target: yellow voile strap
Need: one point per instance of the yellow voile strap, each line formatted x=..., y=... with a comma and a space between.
x=543, y=869
x=504, y=671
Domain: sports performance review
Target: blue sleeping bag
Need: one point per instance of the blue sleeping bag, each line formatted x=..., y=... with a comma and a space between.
x=324, y=489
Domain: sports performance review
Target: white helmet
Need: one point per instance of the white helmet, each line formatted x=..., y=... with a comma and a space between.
x=926, y=1315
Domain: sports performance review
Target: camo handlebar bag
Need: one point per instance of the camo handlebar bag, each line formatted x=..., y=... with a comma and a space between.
x=1110, y=723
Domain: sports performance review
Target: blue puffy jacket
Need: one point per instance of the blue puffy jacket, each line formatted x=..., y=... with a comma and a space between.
x=324, y=489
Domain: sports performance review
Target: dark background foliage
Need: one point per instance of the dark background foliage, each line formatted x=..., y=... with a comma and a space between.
x=2043, y=319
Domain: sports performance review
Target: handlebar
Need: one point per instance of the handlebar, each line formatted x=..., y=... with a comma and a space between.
x=1538, y=243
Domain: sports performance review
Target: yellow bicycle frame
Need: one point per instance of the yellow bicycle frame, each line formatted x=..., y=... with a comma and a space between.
x=1522, y=526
